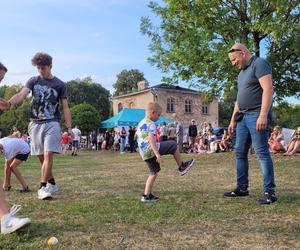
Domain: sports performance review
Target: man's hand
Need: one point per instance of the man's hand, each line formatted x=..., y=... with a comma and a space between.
x=231, y=128
x=261, y=123
x=4, y=104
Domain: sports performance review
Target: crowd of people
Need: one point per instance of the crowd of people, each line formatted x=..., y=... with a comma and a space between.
x=195, y=140
x=277, y=143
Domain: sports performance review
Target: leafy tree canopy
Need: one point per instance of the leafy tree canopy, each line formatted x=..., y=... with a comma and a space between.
x=193, y=38
x=286, y=115
x=87, y=91
x=127, y=81
x=16, y=116
x=85, y=116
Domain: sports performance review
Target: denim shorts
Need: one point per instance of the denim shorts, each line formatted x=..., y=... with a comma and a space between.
x=75, y=144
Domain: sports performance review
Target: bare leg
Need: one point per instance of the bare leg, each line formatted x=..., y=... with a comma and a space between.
x=149, y=183
x=177, y=157
x=7, y=175
x=3, y=208
x=46, y=170
x=295, y=148
x=17, y=173
x=290, y=148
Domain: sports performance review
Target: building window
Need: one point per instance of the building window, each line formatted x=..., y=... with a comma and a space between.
x=205, y=106
x=120, y=107
x=188, y=106
x=170, y=104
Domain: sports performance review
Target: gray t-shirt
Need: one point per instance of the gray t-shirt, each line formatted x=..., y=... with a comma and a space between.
x=249, y=95
x=45, y=98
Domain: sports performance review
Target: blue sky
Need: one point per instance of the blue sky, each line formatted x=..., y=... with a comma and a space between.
x=97, y=38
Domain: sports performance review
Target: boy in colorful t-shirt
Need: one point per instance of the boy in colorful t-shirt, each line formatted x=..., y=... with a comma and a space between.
x=151, y=151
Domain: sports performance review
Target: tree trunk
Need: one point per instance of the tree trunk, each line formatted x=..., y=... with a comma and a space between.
x=256, y=43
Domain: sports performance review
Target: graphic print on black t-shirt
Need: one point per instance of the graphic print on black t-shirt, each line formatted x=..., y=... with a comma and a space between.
x=44, y=104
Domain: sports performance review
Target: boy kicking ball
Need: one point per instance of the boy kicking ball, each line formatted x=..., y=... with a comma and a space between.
x=15, y=151
x=151, y=151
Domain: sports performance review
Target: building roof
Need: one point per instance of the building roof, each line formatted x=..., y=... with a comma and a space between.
x=173, y=87
x=161, y=86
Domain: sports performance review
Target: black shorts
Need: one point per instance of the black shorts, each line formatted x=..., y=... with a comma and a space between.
x=22, y=157
x=166, y=148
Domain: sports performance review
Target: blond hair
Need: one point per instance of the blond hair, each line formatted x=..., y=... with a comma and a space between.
x=153, y=106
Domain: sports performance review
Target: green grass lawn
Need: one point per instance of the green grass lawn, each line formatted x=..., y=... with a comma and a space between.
x=98, y=205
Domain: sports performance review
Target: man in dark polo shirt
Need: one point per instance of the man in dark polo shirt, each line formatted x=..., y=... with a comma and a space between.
x=251, y=118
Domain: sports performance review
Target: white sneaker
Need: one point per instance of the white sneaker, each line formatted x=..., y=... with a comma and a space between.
x=51, y=188
x=10, y=223
x=44, y=194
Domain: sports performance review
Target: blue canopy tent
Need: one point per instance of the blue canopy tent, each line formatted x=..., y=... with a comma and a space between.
x=129, y=117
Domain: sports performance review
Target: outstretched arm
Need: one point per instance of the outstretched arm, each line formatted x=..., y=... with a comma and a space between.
x=19, y=96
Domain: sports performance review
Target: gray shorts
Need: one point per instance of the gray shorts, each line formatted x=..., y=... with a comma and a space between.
x=45, y=137
x=166, y=148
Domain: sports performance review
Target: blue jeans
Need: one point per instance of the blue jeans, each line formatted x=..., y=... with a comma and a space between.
x=122, y=144
x=246, y=134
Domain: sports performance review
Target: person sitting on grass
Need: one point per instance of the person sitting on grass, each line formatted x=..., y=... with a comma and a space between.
x=199, y=146
x=294, y=144
x=225, y=142
x=151, y=151
x=15, y=151
x=276, y=140
x=213, y=144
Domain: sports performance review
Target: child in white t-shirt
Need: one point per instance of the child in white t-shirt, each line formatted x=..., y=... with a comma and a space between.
x=15, y=151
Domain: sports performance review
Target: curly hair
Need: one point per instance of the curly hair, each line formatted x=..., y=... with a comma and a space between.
x=41, y=59
x=2, y=67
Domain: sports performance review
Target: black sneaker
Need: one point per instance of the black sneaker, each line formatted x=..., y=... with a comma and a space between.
x=24, y=190
x=186, y=166
x=7, y=189
x=237, y=192
x=149, y=198
x=267, y=199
